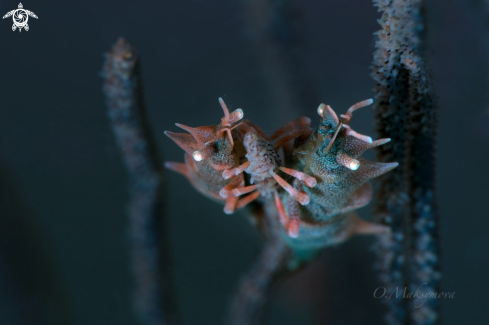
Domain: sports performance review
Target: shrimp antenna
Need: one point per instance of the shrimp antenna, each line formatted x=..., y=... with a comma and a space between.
x=229, y=119
x=348, y=115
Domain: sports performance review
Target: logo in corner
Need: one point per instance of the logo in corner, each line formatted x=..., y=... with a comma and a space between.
x=20, y=17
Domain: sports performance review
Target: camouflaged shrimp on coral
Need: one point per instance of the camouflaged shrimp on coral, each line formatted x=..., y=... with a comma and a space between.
x=229, y=160
x=210, y=150
x=263, y=165
x=332, y=156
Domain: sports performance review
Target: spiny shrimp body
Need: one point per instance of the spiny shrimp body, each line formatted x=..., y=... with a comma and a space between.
x=210, y=150
x=263, y=162
x=332, y=156
x=263, y=165
x=331, y=179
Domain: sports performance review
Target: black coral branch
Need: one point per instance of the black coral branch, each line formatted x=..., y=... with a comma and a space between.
x=407, y=113
x=154, y=296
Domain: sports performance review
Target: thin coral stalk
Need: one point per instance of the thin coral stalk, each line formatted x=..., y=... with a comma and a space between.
x=267, y=270
x=154, y=294
x=407, y=113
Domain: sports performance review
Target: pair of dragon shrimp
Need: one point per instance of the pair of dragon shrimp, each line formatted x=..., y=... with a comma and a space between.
x=235, y=163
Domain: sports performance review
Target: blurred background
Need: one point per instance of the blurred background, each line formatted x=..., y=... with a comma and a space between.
x=64, y=190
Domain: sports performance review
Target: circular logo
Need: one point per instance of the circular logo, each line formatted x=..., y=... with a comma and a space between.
x=20, y=17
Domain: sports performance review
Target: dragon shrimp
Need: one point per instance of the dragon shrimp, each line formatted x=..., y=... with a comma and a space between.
x=231, y=159
x=332, y=156
x=210, y=150
x=263, y=166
